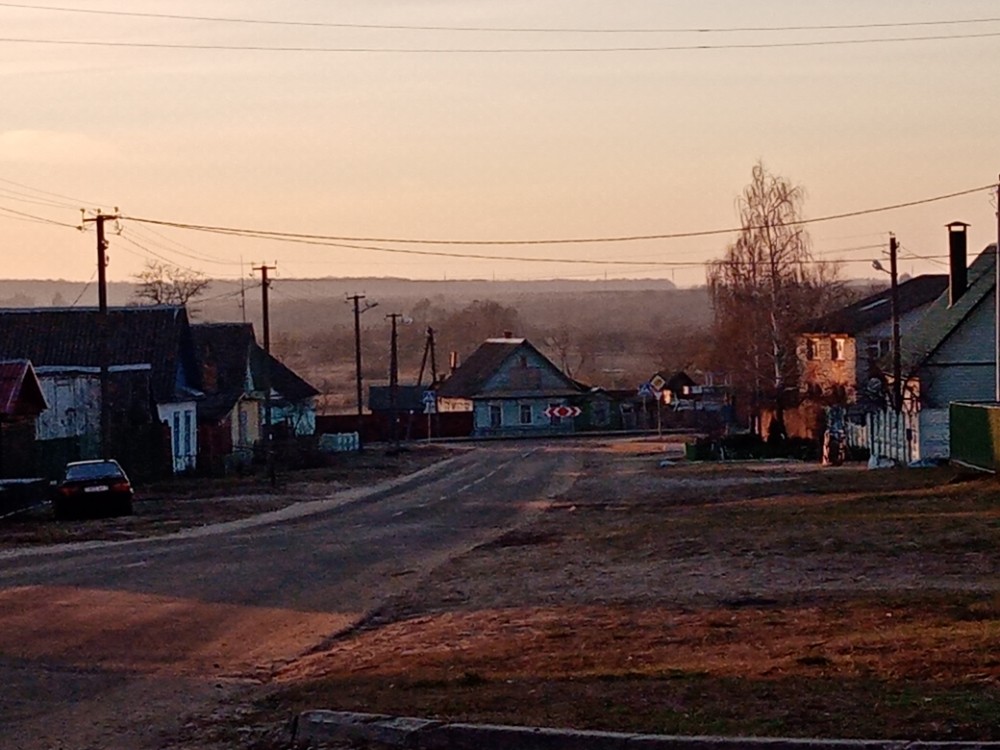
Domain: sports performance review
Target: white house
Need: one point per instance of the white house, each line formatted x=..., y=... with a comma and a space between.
x=950, y=355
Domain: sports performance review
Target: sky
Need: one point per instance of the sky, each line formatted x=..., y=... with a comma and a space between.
x=369, y=139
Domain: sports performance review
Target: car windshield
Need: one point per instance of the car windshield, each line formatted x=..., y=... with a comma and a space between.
x=102, y=470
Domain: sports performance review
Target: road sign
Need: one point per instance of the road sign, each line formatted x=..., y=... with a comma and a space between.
x=430, y=402
x=563, y=412
x=646, y=390
x=657, y=382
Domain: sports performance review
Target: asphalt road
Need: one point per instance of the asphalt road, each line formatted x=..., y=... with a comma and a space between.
x=108, y=645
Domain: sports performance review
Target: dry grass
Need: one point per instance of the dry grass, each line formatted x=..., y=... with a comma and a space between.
x=774, y=599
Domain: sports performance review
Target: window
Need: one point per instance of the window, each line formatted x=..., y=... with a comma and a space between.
x=188, y=452
x=812, y=349
x=496, y=415
x=526, y=417
x=878, y=348
x=524, y=360
x=838, y=349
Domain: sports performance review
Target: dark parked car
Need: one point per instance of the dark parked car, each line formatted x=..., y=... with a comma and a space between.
x=93, y=488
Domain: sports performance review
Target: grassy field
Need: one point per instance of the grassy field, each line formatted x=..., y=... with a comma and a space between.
x=751, y=599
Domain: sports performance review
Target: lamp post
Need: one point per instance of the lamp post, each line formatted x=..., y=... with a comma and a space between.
x=897, y=362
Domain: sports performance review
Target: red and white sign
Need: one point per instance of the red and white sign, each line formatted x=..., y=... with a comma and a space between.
x=563, y=412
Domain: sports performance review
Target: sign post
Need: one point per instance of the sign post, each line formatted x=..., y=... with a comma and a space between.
x=430, y=409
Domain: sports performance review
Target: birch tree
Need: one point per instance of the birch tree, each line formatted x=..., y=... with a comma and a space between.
x=763, y=289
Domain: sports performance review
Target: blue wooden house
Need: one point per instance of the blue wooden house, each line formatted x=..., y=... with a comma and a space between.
x=513, y=390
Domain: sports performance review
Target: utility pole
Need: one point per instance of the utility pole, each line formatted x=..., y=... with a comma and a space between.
x=265, y=285
x=103, y=325
x=897, y=361
x=429, y=350
x=394, y=379
x=358, y=309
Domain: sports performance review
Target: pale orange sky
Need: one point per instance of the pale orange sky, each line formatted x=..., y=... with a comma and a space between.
x=477, y=145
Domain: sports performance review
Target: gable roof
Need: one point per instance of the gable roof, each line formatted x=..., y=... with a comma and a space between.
x=473, y=375
x=942, y=319
x=223, y=351
x=20, y=393
x=71, y=337
x=284, y=381
x=877, y=308
x=227, y=351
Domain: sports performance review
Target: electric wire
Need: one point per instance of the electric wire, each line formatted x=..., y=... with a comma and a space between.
x=15, y=195
x=499, y=29
x=494, y=50
x=85, y=288
x=268, y=234
x=186, y=252
x=77, y=201
x=40, y=219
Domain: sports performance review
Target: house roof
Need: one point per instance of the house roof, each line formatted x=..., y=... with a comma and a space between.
x=283, y=379
x=215, y=407
x=227, y=350
x=877, y=308
x=71, y=337
x=473, y=374
x=20, y=393
x=942, y=319
x=223, y=351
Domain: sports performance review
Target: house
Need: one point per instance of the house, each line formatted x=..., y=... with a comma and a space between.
x=21, y=401
x=839, y=352
x=152, y=382
x=293, y=400
x=229, y=416
x=234, y=373
x=950, y=356
x=513, y=389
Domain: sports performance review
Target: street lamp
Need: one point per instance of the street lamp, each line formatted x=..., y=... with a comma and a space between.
x=897, y=362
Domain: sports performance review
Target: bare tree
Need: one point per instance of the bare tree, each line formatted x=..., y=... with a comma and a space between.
x=764, y=288
x=164, y=284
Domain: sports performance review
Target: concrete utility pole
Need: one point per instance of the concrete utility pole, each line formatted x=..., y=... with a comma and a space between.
x=897, y=361
x=103, y=326
x=265, y=285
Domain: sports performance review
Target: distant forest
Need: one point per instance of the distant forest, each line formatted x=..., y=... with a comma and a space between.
x=612, y=333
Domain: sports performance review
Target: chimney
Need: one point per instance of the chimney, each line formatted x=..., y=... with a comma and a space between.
x=958, y=280
x=453, y=361
x=508, y=334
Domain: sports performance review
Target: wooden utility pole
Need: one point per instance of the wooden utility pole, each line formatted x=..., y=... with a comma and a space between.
x=103, y=326
x=265, y=285
x=394, y=379
x=429, y=351
x=897, y=361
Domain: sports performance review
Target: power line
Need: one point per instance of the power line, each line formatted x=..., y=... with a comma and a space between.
x=333, y=239
x=41, y=219
x=492, y=50
x=499, y=29
x=20, y=197
x=85, y=288
x=186, y=252
x=77, y=201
